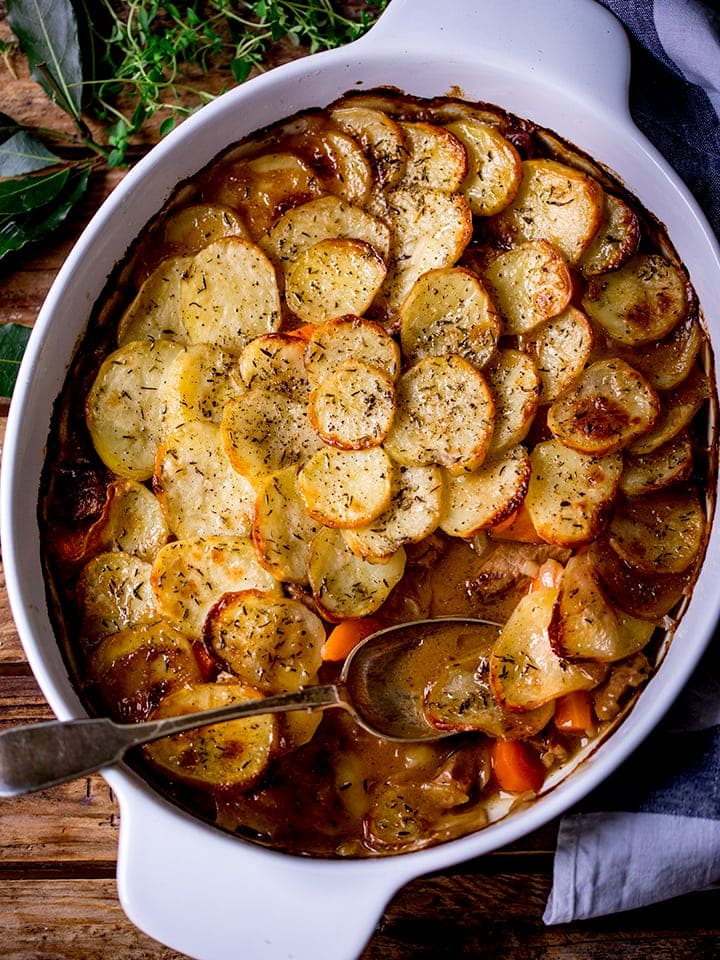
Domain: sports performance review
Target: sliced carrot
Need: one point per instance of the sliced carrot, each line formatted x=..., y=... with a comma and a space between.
x=549, y=574
x=574, y=712
x=347, y=635
x=517, y=767
x=518, y=527
x=304, y=332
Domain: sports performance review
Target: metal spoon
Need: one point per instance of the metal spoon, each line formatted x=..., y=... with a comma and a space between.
x=378, y=685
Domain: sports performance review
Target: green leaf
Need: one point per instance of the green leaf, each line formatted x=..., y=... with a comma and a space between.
x=22, y=153
x=23, y=194
x=166, y=126
x=13, y=340
x=48, y=36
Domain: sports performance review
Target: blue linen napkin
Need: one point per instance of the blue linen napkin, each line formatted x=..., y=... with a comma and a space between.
x=652, y=831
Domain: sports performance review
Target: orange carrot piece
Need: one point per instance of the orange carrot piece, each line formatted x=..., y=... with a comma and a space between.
x=517, y=527
x=517, y=767
x=574, y=712
x=347, y=635
x=305, y=331
x=550, y=574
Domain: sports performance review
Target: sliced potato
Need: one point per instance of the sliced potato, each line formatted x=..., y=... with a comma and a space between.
x=554, y=202
x=677, y=408
x=156, y=311
x=514, y=381
x=273, y=643
x=282, y=528
x=435, y=156
x=529, y=283
x=275, y=362
x=346, y=586
x=413, y=514
x=659, y=533
x=571, y=493
x=494, y=166
x=199, y=382
x=449, y=311
x=666, y=363
x=132, y=521
x=354, y=406
x=349, y=338
x=337, y=158
x=114, y=591
x=201, y=493
x=445, y=414
x=234, y=753
x=616, y=240
x=189, y=229
x=610, y=406
x=380, y=137
x=666, y=464
x=229, y=294
x=561, y=347
x=346, y=488
x=125, y=407
x=642, y=301
x=487, y=496
x=189, y=576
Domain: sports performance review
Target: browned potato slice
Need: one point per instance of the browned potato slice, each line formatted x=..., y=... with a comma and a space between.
x=333, y=278
x=429, y=228
x=229, y=294
x=114, y=591
x=610, y=406
x=189, y=576
x=234, y=753
x=561, y=347
x=616, y=240
x=413, y=514
x=677, y=408
x=132, y=521
x=353, y=407
x=282, y=528
x=529, y=283
x=555, y=203
x=514, y=381
x=275, y=362
x=570, y=493
x=445, y=414
x=525, y=671
x=189, y=229
x=346, y=586
x=380, y=137
x=666, y=363
x=487, y=496
x=125, y=407
x=156, y=311
x=449, y=311
x=200, y=492
x=590, y=627
x=349, y=338
x=337, y=158
x=642, y=301
x=326, y=218
x=659, y=533
x=494, y=166
x=346, y=488
x=273, y=643
x=436, y=157
x=199, y=382
x=667, y=464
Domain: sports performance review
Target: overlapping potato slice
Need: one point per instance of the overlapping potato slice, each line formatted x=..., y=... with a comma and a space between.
x=380, y=137
x=132, y=521
x=156, y=311
x=514, y=381
x=487, y=496
x=349, y=338
x=554, y=202
x=354, y=406
x=642, y=301
x=201, y=493
x=666, y=363
x=669, y=463
x=561, y=347
x=449, y=311
x=413, y=514
x=234, y=753
x=275, y=362
x=494, y=166
x=525, y=671
x=199, y=382
x=615, y=242
x=229, y=294
x=125, y=407
x=189, y=229
x=610, y=406
x=571, y=493
x=189, y=576
x=346, y=488
x=282, y=528
x=273, y=643
x=529, y=283
x=337, y=158
x=346, y=586
x=661, y=532
x=333, y=278
x=114, y=592
x=445, y=414
x=435, y=156
x=677, y=409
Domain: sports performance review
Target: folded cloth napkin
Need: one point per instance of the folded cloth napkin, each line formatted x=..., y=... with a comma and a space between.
x=652, y=831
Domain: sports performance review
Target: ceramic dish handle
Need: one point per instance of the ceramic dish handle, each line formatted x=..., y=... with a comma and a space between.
x=575, y=45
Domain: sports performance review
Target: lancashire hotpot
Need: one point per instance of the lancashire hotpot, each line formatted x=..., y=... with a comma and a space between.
x=562, y=63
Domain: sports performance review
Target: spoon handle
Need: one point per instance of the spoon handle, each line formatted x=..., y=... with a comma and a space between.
x=42, y=755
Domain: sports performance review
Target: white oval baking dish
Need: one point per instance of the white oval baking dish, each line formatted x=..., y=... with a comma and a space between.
x=561, y=63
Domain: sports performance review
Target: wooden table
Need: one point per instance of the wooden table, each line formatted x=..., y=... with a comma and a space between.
x=58, y=848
